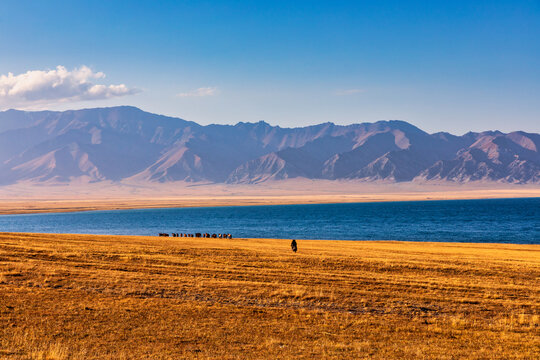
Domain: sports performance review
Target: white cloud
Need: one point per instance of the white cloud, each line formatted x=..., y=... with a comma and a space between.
x=58, y=85
x=203, y=91
x=349, y=92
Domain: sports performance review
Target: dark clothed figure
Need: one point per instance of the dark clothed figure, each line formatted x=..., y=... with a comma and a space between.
x=294, y=247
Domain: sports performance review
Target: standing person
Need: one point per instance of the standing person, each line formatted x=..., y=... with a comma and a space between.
x=294, y=247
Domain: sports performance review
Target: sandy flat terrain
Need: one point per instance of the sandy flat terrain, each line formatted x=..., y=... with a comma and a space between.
x=32, y=198
x=120, y=297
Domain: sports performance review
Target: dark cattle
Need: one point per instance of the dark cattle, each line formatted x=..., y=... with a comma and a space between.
x=294, y=246
x=229, y=236
x=163, y=234
x=198, y=235
x=214, y=236
x=207, y=235
x=220, y=236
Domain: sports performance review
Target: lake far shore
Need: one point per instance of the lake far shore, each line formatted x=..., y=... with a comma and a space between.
x=81, y=203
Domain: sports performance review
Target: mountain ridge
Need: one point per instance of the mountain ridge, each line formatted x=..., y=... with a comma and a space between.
x=125, y=142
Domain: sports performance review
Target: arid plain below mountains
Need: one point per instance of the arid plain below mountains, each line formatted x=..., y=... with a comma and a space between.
x=127, y=144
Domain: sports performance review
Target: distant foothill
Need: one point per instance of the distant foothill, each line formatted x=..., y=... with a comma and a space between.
x=128, y=144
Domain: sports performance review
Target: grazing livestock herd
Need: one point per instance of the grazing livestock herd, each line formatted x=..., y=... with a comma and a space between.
x=294, y=245
x=198, y=235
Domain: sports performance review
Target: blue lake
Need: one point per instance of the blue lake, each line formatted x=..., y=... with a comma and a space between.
x=498, y=220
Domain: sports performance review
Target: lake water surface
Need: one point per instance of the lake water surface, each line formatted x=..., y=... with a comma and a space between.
x=499, y=220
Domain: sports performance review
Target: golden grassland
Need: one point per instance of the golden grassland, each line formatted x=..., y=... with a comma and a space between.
x=120, y=297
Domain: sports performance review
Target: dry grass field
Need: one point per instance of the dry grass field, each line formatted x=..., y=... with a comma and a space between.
x=113, y=297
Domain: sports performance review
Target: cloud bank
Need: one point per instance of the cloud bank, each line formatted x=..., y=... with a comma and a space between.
x=58, y=85
x=349, y=92
x=203, y=91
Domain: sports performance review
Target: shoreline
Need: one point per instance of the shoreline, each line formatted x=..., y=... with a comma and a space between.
x=39, y=206
x=278, y=240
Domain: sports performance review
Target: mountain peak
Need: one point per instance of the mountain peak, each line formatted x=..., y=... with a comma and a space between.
x=121, y=142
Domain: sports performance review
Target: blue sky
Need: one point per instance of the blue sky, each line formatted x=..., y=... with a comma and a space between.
x=441, y=65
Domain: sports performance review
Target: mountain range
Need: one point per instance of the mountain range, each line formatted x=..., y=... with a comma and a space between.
x=126, y=143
